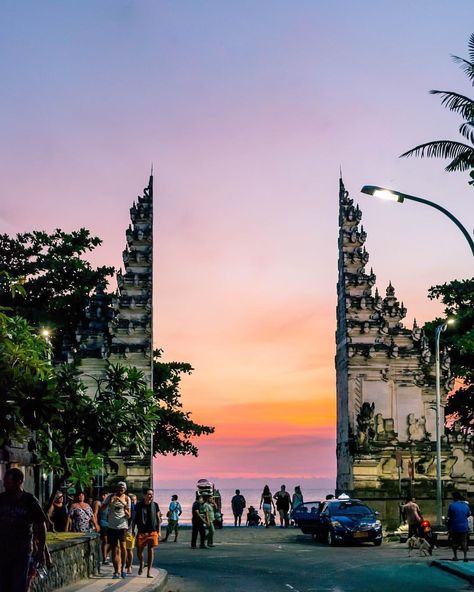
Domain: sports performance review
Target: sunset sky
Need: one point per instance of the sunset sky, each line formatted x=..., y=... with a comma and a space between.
x=248, y=110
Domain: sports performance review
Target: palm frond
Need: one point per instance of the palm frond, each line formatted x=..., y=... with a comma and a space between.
x=470, y=46
x=467, y=130
x=439, y=149
x=466, y=66
x=462, y=162
x=456, y=102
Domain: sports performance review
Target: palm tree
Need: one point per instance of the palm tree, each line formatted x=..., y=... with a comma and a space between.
x=462, y=154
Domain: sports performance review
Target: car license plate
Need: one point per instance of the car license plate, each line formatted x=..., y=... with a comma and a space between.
x=361, y=535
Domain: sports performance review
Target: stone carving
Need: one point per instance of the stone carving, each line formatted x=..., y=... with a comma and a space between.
x=416, y=428
x=365, y=424
x=425, y=350
x=393, y=350
x=416, y=332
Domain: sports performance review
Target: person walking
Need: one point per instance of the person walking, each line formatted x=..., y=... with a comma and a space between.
x=458, y=524
x=81, y=515
x=147, y=524
x=173, y=514
x=21, y=521
x=238, y=505
x=412, y=515
x=119, y=506
x=267, y=504
x=57, y=513
x=130, y=537
x=283, y=504
x=198, y=522
x=101, y=517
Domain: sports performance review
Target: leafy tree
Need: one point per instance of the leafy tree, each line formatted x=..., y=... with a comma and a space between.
x=83, y=428
x=458, y=298
x=460, y=153
x=24, y=370
x=121, y=415
x=57, y=280
x=75, y=432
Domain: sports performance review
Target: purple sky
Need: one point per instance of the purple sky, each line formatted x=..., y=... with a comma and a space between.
x=247, y=110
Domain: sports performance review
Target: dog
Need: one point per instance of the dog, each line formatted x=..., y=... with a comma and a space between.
x=416, y=542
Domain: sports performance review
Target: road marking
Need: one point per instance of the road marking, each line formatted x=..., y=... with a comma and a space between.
x=291, y=587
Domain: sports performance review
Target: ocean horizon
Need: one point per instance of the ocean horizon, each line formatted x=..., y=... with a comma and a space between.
x=186, y=497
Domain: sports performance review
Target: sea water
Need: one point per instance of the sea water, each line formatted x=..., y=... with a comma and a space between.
x=186, y=498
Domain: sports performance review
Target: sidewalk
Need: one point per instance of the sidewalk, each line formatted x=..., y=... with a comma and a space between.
x=132, y=583
x=457, y=568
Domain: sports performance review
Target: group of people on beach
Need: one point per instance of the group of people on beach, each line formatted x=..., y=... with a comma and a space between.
x=281, y=502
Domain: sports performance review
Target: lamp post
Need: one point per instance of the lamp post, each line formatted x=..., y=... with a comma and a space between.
x=50, y=478
x=439, y=501
x=390, y=195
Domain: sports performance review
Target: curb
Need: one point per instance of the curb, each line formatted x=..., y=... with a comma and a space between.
x=158, y=583
x=453, y=569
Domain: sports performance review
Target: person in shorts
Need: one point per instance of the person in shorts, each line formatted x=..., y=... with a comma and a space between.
x=119, y=507
x=130, y=538
x=147, y=527
x=458, y=524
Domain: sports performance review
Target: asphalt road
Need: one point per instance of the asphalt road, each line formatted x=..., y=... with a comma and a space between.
x=284, y=560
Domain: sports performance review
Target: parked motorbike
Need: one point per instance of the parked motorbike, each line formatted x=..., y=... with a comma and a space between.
x=427, y=533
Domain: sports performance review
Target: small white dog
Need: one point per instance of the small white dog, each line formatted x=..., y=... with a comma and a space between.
x=420, y=543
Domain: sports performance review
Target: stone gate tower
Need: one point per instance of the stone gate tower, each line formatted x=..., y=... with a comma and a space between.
x=124, y=334
x=385, y=390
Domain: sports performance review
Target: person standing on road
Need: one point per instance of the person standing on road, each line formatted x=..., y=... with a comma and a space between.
x=119, y=512
x=297, y=499
x=238, y=505
x=283, y=503
x=21, y=520
x=412, y=515
x=198, y=522
x=458, y=524
x=267, y=504
x=209, y=508
x=147, y=522
x=174, y=512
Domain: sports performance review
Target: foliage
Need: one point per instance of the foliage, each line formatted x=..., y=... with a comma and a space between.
x=83, y=429
x=55, y=280
x=122, y=414
x=24, y=371
x=44, y=278
x=175, y=428
x=461, y=153
x=458, y=298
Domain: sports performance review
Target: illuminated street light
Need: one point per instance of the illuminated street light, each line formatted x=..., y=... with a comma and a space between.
x=439, y=502
x=389, y=195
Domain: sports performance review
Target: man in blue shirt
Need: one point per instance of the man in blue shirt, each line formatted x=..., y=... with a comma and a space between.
x=458, y=513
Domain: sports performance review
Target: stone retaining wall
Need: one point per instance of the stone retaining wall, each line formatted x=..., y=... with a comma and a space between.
x=74, y=559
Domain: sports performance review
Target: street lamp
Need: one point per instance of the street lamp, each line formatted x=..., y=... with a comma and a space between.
x=389, y=195
x=439, y=503
x=46, y=334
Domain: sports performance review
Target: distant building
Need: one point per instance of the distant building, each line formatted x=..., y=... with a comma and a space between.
x=386, y=392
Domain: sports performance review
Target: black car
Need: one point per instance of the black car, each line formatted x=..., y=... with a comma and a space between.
x=307, y=517
x=349, y=521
